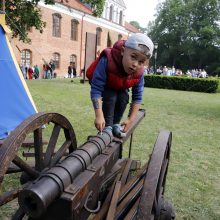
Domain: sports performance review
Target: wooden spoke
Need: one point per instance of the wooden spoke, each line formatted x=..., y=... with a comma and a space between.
x=52, y=144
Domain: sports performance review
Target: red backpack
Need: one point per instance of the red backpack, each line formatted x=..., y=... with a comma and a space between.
x=91, y=69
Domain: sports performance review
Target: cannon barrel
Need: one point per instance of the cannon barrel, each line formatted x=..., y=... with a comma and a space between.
x=35, y=199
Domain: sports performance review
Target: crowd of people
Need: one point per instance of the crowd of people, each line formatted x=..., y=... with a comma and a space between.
x=30, y=72
x=48, y=71
x=33, y=72
x=172, y=71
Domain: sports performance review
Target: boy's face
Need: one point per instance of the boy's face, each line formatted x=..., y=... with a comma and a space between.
x=133, y=60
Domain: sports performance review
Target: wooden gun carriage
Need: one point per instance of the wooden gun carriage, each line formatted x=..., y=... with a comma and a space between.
x=60, y=181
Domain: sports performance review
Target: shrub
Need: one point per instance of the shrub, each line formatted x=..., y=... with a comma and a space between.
x=182, y=83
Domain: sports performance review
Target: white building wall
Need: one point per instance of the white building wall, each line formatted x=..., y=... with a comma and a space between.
x=116, y=11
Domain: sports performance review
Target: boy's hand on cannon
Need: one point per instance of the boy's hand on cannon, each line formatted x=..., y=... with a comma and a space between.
x=126, y=124
x=99, y=122
x=132, y=115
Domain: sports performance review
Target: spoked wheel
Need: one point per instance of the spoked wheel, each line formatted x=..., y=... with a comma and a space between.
x=152, y=205
x=44, y=156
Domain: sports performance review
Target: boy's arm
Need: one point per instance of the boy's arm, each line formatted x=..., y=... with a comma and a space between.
x=133, y=113
x=97, y=88
x=137, y=92
x=99, y=117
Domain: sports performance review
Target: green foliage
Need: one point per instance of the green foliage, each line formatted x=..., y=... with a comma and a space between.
x=187, y=32
x=137, y=25
x=182, y=83
x=96, y=5
x=22, y=15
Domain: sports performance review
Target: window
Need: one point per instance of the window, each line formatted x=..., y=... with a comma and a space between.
x=98, y=33
x=119, y=37
x=120, y=17
x=73, y=58
x=74, y=29
x=109, y=41
x=57, y=25
x=111, y=13
x=56, y=59
x=26, y=57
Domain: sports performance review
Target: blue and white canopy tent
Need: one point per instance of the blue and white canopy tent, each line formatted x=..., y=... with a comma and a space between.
x=16, y=103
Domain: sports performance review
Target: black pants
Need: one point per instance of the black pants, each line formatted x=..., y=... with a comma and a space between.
x=114, y=105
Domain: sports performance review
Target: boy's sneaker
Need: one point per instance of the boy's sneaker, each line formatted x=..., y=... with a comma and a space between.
x=117, y=131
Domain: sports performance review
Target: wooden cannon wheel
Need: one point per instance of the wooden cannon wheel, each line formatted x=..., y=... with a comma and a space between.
x=152, y=204
x=43, y=156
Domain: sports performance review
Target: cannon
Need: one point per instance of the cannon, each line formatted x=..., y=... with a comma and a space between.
x=60, y=180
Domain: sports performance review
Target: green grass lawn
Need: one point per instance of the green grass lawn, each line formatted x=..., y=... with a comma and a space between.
x=193, y=181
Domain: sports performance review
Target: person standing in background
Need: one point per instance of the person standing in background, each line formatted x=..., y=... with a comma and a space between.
x=23, y=70
x=74, y=70
x=30, y=73
x=36, y=71
x=52, y=68
x=70, y=67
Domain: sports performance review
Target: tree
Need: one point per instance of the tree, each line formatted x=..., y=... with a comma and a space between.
x=22, y=15
x=97, y=6
x=137, y=25
x=187, y=32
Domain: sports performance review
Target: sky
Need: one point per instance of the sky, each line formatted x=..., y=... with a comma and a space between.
x=141, y=11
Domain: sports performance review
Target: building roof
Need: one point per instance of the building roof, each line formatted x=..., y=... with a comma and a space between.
x=131, y=28
x=76, y=4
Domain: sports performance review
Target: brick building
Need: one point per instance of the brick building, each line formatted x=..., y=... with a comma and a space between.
x=64, y=37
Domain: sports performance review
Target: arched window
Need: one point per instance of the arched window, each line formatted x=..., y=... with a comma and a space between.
x=57, y=25
x=74, y=29
x=56, y=59
x=98, y=33
x=119, y=37
x=120, y=17
x=73, y=59
x=111, y=13
x=26, y=57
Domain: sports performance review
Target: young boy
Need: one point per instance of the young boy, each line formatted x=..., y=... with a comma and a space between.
x=115, y=71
